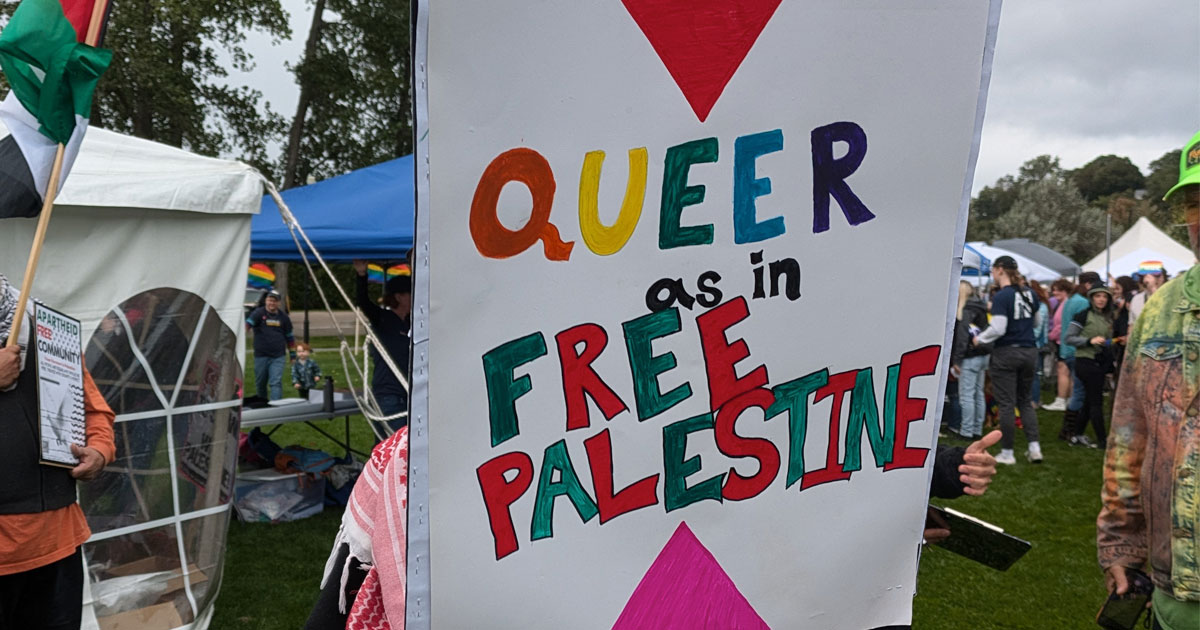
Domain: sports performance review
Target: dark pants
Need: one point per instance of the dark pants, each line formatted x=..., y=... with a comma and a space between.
x=1091, y=373
x=325, y=614
x=1012, y=383
x=392, y=404
x=45, y=598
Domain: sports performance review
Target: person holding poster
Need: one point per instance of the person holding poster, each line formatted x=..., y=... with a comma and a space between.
x=41, y=524
x=1151, y=492
x=1014, y=315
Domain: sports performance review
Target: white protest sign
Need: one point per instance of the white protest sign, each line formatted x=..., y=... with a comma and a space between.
x=680, y=359
x=59, y=351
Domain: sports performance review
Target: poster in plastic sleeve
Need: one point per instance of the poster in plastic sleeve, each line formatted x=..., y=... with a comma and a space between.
x=60, y=385
x=689, y=266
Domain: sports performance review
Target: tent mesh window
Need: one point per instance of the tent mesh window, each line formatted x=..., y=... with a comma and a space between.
x=169, y=368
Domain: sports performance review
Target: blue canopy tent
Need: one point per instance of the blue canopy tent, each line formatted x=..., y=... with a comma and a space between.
x=365, y=214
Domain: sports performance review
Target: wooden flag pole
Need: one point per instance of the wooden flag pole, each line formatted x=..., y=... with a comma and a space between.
x=35, y=252
x=39, y=237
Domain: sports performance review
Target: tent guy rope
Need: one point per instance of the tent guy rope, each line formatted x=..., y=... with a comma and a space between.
x=366, y=399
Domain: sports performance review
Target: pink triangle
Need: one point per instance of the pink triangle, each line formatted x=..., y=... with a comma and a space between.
x=701, y=42
x=685, y=589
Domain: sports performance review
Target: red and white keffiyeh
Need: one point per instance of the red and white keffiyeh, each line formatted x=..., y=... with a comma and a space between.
x=373, y=527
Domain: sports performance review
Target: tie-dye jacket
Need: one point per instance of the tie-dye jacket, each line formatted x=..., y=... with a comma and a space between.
x=1151, y=492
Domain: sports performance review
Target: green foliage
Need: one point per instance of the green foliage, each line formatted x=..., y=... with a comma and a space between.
x=1164, y=173
x=1053, y=213
x=995, y=201
x=356, y=100
x=1106, y=175
x=166, y=82
x=301, y=290
x=1125, y=210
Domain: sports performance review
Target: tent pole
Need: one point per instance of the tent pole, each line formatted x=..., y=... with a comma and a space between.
x=1107, y=247
x=307, y=288
x=35, y=252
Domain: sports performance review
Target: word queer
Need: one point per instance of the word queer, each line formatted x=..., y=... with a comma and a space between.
x=527, y=166
x=506, y=478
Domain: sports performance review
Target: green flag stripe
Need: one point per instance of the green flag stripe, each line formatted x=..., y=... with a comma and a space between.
x=40, y=38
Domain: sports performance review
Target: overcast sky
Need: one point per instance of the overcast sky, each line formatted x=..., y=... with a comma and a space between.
x=1072, y=78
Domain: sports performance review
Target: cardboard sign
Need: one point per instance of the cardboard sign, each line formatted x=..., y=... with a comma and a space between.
x=60, y=385
x=681, y=355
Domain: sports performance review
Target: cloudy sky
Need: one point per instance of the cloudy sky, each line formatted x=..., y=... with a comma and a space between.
x=1072, y=78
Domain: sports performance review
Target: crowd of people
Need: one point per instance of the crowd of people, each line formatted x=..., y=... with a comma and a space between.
x=1070, y=340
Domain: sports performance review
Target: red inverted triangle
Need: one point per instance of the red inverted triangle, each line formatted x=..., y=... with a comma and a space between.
x=702, y=42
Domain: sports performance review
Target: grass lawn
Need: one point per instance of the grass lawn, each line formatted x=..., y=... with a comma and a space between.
x=272, y=572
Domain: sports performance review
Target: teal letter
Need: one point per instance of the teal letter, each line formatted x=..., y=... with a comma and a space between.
x=746, y=188
x=792, y=397
x=676, y=469
x=646, y=366
x=502, y=390
x=676, y=194
x=864, y=411
x=558, y=459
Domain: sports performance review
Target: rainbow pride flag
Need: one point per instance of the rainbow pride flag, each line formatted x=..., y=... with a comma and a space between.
x=1150, y=266
x=377, y=275
x=260, y=277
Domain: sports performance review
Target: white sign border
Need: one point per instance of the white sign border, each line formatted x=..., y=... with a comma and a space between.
x=418, y=581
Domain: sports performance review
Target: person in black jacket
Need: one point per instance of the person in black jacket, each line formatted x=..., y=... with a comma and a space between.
x=968, y=363
x=391, y=324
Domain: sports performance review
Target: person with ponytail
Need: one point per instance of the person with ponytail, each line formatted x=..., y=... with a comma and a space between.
x=1014, y=358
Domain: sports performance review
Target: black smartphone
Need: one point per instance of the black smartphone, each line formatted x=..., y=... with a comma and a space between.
x=1121, y=612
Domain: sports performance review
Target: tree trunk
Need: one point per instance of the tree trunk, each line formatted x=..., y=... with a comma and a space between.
x=281, y=284
x=297, y=130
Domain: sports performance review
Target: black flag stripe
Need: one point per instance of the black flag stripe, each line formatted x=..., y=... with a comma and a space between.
x=18, y=194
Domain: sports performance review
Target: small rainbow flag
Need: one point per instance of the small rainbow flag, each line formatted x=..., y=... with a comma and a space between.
x=260, y=277
x=1150, y=266
x=377, y=275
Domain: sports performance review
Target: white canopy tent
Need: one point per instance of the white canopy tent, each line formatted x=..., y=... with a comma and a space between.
x=1029, y=268
x=1142, y=242
x=148, y=247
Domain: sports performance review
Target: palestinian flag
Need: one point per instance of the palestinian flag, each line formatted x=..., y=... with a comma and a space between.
x=52, y=74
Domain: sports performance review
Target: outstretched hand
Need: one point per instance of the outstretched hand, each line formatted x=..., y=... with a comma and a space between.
x=978, y=465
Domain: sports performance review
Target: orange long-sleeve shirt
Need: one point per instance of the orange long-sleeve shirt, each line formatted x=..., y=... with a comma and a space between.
x=29, y=541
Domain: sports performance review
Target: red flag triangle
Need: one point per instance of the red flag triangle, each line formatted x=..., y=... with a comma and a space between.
x=701, y=42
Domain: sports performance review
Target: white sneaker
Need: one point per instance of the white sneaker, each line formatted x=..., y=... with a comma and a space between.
x=1034, y=453
x=1006, y=457
x=1059, y=404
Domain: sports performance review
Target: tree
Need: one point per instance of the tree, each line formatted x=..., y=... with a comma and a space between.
x=1039, y=169
x=1125, y=210
x=995, y=201
x=1107, y=175
x=1164, y=172
x=355, y=106
x=165, y=81
x=1053, y=213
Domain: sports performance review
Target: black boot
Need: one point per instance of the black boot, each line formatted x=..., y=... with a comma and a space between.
x=1068, y=425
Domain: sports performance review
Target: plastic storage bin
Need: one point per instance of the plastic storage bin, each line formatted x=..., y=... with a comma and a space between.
x=263, y=496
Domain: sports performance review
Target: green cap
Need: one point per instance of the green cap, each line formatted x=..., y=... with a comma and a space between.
x=1189, y=166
